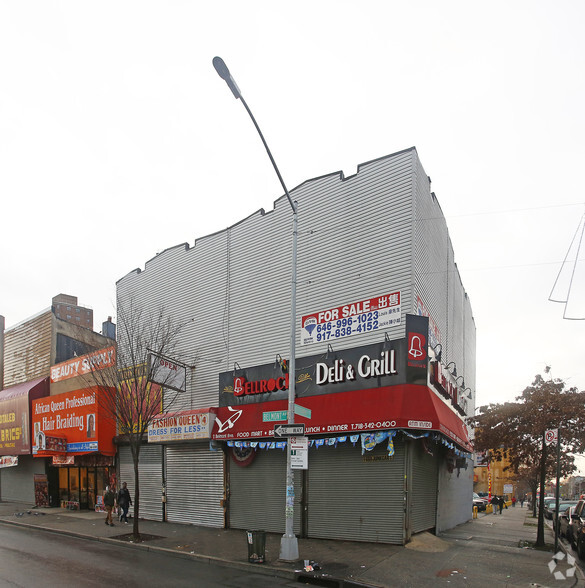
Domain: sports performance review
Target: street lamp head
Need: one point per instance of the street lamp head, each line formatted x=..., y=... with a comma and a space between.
x=224, y=73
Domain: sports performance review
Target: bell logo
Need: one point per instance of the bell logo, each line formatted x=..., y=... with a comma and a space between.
x=416, y=346
x=238, y=386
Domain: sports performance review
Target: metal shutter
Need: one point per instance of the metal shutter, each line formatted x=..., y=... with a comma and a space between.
x=257, y=493
x=150, y=478
x=194, y=477
x=423, y=488
x=353, y=499
x=17, y=481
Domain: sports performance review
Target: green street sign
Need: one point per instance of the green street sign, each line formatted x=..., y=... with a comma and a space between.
x=274, y=416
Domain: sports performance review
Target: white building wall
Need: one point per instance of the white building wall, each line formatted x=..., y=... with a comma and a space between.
x=232, y=289
x=378, y=231
x=454, y=501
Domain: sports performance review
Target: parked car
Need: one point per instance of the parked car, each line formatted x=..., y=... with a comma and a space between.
x=564, y=505
x=548, y=500
x=550, y=506
x=479, y=502
x=565, y=529
x=577, y=530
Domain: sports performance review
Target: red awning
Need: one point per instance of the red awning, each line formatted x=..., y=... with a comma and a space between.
x=20, y=389
x=405, y=406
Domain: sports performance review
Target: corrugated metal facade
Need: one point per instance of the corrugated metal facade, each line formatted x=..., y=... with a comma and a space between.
x=232, y=289
x=150, y=473
x=17, y=482
x=423, y=488
x=27, y=350
x=355, y=497
x=376, y=232
x=194, y=484
x=257, y=495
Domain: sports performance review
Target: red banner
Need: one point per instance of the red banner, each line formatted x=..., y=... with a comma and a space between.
x=405, y=406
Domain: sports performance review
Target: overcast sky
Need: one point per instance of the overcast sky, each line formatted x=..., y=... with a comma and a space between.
x=118, y=140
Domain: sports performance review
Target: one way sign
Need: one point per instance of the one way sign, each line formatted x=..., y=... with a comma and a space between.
x=289, y=430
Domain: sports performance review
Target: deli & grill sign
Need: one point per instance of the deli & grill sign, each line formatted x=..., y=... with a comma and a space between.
x=371, y=366
x=386, y=363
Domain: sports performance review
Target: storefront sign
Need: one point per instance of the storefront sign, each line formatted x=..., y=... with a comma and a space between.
x=75, y=417
x=78, y=366
x=61, y=460
x=15, y=416
x=372, y=314
x=182, y=426
x=369, y=366
x=167, y=372
x=417, y=358
x=242, y=386
x=355, y=411
x=366, y=367
x=445, y=384
x=8, y=461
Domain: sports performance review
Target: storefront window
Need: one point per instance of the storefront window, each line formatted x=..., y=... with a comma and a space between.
x=74, y=484
x=91, y=496
x=84, y=484
x=63, y=484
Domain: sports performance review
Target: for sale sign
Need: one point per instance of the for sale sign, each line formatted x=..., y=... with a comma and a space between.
x=356, y=318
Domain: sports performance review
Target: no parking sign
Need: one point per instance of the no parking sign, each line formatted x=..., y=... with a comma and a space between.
x=551, y=436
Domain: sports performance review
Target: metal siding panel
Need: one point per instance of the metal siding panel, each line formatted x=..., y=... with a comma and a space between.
x=339, y=262
x=27, y=350
x=150, y=478
x=194, y=489
x=377, y=231
x=424, y=485
x=355, y=500
x=17, y=482
x=258, y=493
x=439, y=285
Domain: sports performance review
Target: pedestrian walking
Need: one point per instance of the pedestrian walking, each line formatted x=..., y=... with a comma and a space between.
x=501, y=502
x=124, y=502
x=495, y=503
x=109, y=502
x=513, y=501
x=522, y=499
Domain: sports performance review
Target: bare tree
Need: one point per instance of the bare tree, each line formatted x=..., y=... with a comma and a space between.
x=136, y=391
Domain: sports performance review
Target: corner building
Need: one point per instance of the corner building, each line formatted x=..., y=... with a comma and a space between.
x=385, y=363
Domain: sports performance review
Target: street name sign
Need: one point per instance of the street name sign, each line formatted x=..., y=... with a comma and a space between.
x=289, y=430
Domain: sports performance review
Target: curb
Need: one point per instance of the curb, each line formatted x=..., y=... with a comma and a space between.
x=208, y=559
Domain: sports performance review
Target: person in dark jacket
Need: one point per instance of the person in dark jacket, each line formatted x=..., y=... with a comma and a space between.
x=109, y=502
x=495, y=503
x=124, y=502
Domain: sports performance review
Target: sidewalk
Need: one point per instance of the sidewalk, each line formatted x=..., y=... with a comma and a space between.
x=486, y=551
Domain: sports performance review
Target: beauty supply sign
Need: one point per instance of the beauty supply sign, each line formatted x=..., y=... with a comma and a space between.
x=371, y=314
x=79, y=366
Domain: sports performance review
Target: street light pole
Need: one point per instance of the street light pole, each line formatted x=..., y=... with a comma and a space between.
x=289, y=548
